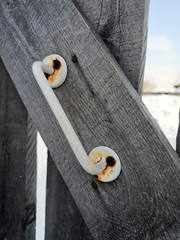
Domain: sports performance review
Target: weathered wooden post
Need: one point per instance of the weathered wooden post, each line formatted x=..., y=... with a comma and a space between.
x=120, y=24
x=17, y=164
x=144, y=202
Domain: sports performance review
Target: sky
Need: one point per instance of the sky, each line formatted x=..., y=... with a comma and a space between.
x=163, y=49
x=162, y=68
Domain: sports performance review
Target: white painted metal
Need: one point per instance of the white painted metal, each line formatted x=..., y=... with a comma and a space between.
x=93, y=165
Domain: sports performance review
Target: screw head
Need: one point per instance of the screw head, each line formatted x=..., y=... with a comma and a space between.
x=110, y=161
x=56, y=64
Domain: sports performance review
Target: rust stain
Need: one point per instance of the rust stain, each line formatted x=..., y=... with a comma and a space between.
x=52, y=77
x=46, y=75
x=96, y=156
x=107, y=172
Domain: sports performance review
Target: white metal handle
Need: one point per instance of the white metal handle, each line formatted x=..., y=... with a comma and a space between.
x=96, y=162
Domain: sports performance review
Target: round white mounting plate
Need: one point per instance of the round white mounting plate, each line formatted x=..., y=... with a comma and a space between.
x=58, y=63
x=113, y=164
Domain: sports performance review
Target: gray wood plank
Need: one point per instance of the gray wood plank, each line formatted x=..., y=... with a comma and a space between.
x=17, y=210
x=31, y=177
x=63, y=219
x=144, y=202
x=120, y=24
x=178, y=139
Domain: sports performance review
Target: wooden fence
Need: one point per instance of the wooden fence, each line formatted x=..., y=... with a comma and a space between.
x=104, y=109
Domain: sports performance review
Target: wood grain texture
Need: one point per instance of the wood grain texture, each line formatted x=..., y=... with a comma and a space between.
x=16, y=210
x=63, y=219
x=104, y=109
x=123, y=27
x=178, y=139
x=31, y=177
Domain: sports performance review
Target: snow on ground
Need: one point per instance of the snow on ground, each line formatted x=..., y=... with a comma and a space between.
x=165, y=109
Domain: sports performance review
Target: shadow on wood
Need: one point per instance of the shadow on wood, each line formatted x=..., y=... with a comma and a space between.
x=63, y=219
x=17, y=207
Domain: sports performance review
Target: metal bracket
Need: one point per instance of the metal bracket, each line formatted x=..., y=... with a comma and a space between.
x=102, y=161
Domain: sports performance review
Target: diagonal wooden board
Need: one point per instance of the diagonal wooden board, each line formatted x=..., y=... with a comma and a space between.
x=104, y=109
x=122, y=25
x=114, y=29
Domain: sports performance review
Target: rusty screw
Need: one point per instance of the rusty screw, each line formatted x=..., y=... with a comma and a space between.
x=110, y=161
x=56, y=64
